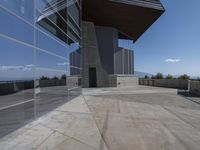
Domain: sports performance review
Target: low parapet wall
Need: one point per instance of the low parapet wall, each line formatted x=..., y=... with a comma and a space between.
x=122, y=80
x=194, y=87
x=168, y=83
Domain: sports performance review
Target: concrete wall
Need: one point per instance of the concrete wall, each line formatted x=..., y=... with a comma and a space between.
x=169, y=83
x=91, y=56
x=73, y=81
x=107, y=39
x=122, y=80
x=99, y=45
x=194, y=87
x=112, y=81
x=124, y=61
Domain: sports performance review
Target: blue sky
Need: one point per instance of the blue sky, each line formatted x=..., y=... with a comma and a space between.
x=172, y=44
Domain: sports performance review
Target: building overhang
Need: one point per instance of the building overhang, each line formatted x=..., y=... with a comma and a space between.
x=130, y=17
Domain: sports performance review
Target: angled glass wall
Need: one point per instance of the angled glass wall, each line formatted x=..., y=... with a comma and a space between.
x=40, y=58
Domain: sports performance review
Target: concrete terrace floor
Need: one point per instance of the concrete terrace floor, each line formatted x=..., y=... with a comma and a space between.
x=127, y=118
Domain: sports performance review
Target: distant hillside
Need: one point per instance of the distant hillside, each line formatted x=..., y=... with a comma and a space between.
x=142, y=74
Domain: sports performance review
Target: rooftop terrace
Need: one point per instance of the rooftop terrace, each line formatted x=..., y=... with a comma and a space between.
x=124, y=118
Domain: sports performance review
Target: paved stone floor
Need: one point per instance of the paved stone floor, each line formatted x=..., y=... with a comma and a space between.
x=128, y=118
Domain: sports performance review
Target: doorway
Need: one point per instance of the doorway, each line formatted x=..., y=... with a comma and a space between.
x=92, y=77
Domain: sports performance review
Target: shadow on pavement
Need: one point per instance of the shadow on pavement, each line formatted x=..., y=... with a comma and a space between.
x=189, y=96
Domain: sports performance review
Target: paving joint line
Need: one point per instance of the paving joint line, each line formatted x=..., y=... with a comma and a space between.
x=69, y=136
x=97, y=125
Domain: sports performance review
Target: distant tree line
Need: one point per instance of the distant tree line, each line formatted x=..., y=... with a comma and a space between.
x=63, y=77
x=161, y=76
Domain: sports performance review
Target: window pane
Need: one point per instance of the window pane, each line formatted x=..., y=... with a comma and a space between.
x=22, y=8
x=45, y=60
x=74, y=13
x=51, y=90
x=52, y=17
x=75, y=59
x=50, y=43
x=16, y=74
x=15, y=117
x=15, y=28
x=16, y=85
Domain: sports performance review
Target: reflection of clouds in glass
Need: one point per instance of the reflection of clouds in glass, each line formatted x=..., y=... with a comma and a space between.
x=31, y=65
x=63, y=64
x=22, y=9
x=21, y=68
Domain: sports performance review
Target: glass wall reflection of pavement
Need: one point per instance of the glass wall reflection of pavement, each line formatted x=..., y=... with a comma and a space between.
x=40, y=58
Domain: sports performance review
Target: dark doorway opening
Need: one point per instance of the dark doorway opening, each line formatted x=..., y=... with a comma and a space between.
x=92, y=77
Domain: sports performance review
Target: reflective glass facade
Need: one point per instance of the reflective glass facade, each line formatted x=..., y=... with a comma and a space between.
x=40, y=58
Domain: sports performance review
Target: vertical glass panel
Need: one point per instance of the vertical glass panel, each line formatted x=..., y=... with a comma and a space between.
x=14, y=117
x=16, y=85
x=45, y=60
x=52, y=16
x=74, y=92
x=74, y=54
x=51, y=43
x=13, y=27
x=75, y=58
x=22, y=8
x=74, y=36
x=74, y=82
x=51, y=90
x=74, y=26
x=16, y=74
x=74, y=86
x=56, y=63
x=74, y=12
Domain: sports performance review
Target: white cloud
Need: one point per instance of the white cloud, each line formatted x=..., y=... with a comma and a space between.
x=21, y=68
x=30, y=66
x=62, y=64
x=170, y=60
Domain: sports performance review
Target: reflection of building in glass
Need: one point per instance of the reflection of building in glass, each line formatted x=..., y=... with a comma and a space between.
x=37, y=41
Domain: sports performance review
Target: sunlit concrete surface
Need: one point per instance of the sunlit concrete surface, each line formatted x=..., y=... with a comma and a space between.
x=126, y=118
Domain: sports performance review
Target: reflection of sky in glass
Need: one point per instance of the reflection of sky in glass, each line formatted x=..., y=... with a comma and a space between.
x=18, y=62
x=15, y=28
x=23, y=8
x=54, y=45
x=16, y=59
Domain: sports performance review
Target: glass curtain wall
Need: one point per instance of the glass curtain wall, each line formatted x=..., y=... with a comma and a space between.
x=40, y=58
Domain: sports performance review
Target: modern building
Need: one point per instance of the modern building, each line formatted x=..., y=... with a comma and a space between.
x=47, y=52
x=105, y=64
